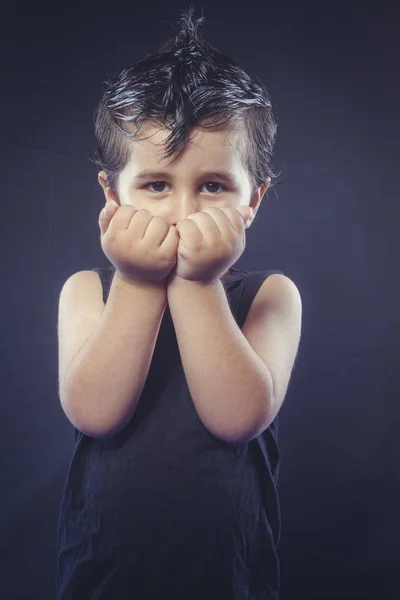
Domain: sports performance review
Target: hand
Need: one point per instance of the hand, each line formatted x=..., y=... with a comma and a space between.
x=141, y=246
x=210, y=242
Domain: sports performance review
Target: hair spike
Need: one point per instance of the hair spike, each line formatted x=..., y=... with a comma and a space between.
x=185, y=84
x=189, y=26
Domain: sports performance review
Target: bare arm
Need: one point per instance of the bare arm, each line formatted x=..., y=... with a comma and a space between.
x=104, y=381
x=230, y=385
x=238, y=378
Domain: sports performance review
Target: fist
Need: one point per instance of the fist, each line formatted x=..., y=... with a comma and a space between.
x=210, y=241
x=141, y=246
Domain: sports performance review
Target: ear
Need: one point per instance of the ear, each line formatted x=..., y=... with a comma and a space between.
x=108, y=192
x=257, y=197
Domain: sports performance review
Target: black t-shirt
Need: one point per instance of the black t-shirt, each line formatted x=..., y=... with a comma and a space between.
x=163, y=509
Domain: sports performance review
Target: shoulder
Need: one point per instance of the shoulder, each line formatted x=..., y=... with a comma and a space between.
x=278, y=288
x=278, y=298
x=276, y=304
x=86, y=276
x=273, y=330
x=83, y=285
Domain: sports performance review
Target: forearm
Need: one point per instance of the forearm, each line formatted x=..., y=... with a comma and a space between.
x=230, y=385
x=106, y=378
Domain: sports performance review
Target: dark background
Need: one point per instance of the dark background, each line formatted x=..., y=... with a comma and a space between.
x=330, y=225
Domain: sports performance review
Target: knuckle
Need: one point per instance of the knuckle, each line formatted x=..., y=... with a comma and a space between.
x=144, y=211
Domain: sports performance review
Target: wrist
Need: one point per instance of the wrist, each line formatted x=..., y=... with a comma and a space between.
x=132, y=282
x=180, y=285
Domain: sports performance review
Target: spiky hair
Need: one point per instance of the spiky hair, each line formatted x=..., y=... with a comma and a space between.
x=186, y=83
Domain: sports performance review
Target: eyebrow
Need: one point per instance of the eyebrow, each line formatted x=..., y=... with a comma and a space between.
x=222, y=175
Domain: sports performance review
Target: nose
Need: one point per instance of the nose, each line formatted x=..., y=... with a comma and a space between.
x=182, y=206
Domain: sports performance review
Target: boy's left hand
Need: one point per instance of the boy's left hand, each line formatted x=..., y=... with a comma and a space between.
x=210, y=242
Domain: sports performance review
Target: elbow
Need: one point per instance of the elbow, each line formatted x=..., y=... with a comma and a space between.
x=246, y=434
x=100, y=419
x=249, y=426
x=94, y=427
x=84, y=425
x=260, y=418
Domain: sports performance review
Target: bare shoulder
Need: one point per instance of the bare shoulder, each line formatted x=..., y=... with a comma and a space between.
x=84, y=288
x=278, y=287
x=277, y=298
x=273, y=329
x=79, y=310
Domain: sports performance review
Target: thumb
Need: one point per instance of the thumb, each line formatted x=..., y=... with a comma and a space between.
x=246, y=212
x=106, y=214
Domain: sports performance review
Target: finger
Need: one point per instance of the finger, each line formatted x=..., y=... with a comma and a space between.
x=122, y=217
x=207, y=221
x=246, y=212
x=106, y=214
x=222, y=219
x=171, y=241
x=237, y=217
x=156, y=231
x=189, y=233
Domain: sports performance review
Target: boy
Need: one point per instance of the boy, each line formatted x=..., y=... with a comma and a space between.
x=172, y=364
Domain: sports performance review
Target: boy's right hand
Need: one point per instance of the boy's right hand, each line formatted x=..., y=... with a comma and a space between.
x=141, y=247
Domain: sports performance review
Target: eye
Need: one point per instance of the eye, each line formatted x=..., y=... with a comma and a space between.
x=215, y=183
x=157, y=183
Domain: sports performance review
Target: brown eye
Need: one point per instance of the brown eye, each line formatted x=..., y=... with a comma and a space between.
x=213, y=183
x=156, y=183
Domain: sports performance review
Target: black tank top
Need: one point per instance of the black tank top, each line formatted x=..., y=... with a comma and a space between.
x=163, y=509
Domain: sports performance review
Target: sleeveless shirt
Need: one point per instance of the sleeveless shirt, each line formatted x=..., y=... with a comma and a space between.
x=163, y=509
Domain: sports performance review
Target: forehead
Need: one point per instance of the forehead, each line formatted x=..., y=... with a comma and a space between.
x=201, y=146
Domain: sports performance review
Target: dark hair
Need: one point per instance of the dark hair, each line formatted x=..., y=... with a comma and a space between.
x=186, y=83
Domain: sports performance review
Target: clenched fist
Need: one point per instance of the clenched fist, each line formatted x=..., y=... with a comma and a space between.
x=211, y=241
x=200, y=248
x=139, y=245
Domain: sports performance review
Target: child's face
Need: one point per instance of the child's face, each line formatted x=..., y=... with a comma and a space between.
x=184, y=187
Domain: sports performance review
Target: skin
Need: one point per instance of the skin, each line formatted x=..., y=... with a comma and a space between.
x=185, y=191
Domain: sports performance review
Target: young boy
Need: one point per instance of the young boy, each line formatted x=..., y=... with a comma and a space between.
x=173, y=364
